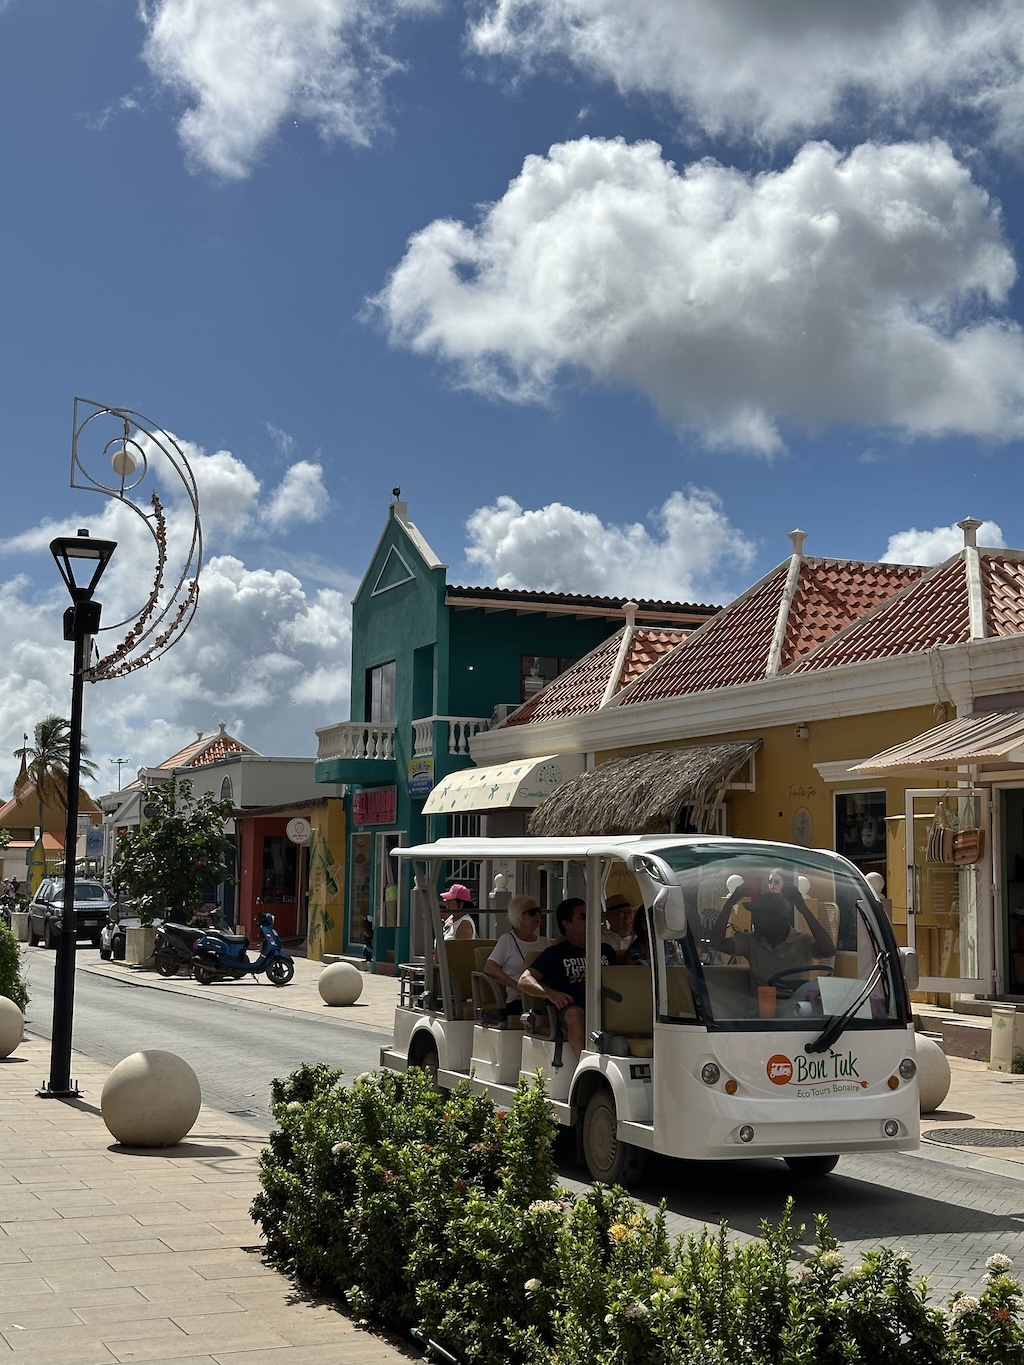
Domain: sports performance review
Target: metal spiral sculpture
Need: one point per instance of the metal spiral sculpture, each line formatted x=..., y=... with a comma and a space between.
x=171, y=605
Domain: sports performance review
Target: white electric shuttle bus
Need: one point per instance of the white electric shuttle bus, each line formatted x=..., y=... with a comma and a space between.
x=697, y=1052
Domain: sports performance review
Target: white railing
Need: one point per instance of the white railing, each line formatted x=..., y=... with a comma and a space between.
x=356, y=739
x=461, y=730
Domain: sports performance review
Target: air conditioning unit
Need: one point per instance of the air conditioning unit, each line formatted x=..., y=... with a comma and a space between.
x=502, y=711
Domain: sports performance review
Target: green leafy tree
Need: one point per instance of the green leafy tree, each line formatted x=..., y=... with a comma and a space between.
x=182, y=848
x=46, y=763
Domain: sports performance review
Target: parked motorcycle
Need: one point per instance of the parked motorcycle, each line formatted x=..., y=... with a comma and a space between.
x=172, y=949
x=224, y=956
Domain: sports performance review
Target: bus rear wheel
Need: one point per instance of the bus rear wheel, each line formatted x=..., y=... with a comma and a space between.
x=811, y=1165
x=608, y=1159
x=424, y=1055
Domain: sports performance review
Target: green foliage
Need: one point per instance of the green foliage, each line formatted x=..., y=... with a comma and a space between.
x=5, y=838
x=182, y=848
x=12, y=983
x=437, y=1214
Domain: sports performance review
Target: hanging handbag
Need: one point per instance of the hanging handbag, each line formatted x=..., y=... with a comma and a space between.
x=969, y=840
x=940, y=837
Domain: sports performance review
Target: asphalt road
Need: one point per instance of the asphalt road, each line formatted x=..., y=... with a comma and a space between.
x=949, y=1216
x=235, y=1050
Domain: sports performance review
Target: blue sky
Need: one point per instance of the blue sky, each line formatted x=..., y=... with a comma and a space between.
x=618, y=292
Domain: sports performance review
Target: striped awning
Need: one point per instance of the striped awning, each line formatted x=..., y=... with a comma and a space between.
x=522, y=784
x=991, y=737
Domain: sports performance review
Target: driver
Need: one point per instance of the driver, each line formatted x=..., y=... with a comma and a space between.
x=773, y=946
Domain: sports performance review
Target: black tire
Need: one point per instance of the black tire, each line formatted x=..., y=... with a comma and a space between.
x=205, y=976
x=49, y=937
x=280, y=971
x=423, y=1054
x=33, y=937
x=118, y=947
x=811, y=1165
x=105, y=954
x=166, y=965
x=608, y=1160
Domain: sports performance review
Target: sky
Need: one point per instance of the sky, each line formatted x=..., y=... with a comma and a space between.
x=618, y=292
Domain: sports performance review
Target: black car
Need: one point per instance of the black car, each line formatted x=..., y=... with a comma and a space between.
x=46, y=911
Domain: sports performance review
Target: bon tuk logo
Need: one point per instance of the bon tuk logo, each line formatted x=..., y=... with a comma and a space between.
x=837, y=1066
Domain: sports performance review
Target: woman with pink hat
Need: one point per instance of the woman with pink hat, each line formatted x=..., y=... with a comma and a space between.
x=455, y=901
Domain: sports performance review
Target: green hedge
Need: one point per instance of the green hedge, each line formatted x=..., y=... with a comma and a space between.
x=440, y=1215
x=12, y=983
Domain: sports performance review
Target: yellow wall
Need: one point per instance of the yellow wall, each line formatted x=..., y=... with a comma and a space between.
x=325, y=933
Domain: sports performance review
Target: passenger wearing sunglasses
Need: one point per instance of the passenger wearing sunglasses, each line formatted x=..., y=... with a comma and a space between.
x=559, y=974
x=508, y=958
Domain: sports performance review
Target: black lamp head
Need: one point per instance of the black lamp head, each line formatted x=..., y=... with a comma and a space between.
x=81, y=561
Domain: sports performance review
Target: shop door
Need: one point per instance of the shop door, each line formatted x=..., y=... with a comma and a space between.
x=949, y=918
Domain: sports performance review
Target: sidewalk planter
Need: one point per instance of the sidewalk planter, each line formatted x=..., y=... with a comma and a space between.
x=140, y=944
x=19, y=925
x=1007, y=1037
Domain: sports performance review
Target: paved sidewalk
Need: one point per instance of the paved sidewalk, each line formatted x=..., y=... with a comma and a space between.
x=118, y=1254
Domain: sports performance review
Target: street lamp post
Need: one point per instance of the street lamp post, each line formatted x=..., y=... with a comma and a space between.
x=81, y=561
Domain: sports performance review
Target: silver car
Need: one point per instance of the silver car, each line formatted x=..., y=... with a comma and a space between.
x=46, y=911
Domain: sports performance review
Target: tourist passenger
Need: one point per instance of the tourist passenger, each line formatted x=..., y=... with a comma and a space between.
x=559, y=974
x=507, y=961
x=619, y=914
x=455, y=902
x=773, y=946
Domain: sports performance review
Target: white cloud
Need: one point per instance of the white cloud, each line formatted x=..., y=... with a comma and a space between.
x=299, y=497
x=782, y=69
x=844, y=288
x=688, y=552
x=246, y=67
x=265, y=654
x=932, y=547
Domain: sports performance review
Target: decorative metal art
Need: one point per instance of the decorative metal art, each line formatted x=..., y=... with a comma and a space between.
x=128, y=443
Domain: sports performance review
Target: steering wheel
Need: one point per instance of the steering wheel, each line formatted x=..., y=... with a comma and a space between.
x=784, y=976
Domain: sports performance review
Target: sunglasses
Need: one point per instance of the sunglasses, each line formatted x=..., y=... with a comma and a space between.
x=535, y=910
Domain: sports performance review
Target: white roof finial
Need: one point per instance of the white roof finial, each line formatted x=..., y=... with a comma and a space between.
x=798, y=538
x=970, y=527
x=631, y=609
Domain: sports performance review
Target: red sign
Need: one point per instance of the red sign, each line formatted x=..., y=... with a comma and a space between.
x=375, y=806
x=780, y=1069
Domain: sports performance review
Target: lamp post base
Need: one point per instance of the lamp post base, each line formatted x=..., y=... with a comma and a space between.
x=47, y=1093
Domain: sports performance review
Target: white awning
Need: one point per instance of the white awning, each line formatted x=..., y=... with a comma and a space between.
x=989, y=737
x=523, y=784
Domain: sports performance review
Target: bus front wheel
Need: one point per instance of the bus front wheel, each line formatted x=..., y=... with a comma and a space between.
x=424, y=1054
x=811, y=1165
x=608, y=1159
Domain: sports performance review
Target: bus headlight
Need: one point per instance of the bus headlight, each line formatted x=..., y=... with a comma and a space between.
x=908, y=1068
x=710, y=1073
x=891, y=1128
x=746, y=1133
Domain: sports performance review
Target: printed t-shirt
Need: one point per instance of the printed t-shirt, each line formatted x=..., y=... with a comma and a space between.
x=563, y=967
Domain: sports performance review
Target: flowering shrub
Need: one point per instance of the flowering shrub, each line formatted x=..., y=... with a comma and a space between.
x=440, y=1215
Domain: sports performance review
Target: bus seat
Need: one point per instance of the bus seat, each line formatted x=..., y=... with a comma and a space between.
x=461, y=954
x=731, y=989
x=488, y=994
x=631, y=1015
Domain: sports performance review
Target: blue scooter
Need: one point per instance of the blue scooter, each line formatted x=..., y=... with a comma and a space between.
x=223, y=956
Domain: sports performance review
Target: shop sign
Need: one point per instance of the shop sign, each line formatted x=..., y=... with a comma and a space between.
x=375, y=806
x=421, y=776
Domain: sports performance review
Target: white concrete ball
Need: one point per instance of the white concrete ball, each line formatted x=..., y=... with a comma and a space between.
x=12, y=1026
x=340, y=983
x=933, y=1075
x=151, y=1099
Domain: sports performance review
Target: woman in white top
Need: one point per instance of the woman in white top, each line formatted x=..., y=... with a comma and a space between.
x=456, y=901
x=507, y=961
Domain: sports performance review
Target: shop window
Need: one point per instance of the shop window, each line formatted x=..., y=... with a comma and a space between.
x=279, y=870
x=537, y=670
x=860, y=836
x=380, y=694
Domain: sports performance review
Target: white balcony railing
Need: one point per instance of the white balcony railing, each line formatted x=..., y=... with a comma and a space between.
x=460, y=732
x=356, y=739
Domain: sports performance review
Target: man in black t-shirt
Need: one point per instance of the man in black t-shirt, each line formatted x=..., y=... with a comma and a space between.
x=559, y=973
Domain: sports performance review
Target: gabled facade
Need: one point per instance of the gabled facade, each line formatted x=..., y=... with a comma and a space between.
x=433, y=666
x=29, y=857
x=821, y=666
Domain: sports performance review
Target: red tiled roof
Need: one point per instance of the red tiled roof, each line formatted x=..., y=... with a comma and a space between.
x=202, y=751
x=736, y=646
x=933, y=611
x=582, y=687
x=1002, y=577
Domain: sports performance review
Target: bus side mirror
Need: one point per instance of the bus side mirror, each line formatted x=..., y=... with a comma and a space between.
x=670, y=903
x=908, y=956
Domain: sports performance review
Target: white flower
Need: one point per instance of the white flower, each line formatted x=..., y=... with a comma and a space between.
x=294, y=1106
x=531, y=1286
x=962, y=1306
x=998, y=1263
x=341, y=1148
x=636, y=1310
x=545, y=1206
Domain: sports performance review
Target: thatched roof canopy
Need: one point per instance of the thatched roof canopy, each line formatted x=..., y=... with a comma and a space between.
x=644, y=793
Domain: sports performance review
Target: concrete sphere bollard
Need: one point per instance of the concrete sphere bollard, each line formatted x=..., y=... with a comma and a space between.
x=340, y=984
x=151, y=1099
x=933, y=1075
x=12, y=1026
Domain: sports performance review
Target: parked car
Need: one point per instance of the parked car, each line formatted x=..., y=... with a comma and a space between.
x=113, y=935
x=46, y=911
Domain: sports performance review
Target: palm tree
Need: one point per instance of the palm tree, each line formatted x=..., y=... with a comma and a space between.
x=45, y=762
